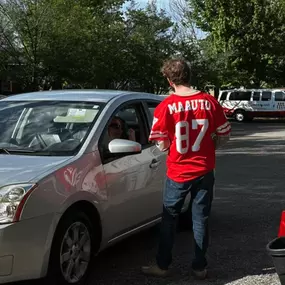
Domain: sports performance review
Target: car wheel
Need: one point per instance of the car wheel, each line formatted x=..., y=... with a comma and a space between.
x=185, y=220
x=240, y=116
x=72, y=250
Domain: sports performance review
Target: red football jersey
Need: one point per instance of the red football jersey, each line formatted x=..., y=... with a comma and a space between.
x=189, y=123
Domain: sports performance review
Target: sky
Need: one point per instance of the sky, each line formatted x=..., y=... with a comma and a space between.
x=165, y=5
x=161, y=4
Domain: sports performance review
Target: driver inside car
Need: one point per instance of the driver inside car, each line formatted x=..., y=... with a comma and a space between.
x=117, y=130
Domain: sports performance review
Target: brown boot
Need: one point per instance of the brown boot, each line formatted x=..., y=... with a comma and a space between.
x=154, y=271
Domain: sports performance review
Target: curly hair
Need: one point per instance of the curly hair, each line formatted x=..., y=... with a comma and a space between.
x=177, y=71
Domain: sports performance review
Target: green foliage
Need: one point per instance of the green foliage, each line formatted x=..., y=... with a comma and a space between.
x=97, y=44
x=247, y=35
x=85, y=43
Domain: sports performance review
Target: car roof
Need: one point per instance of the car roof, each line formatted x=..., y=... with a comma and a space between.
x=96, y=95
x=253, y=89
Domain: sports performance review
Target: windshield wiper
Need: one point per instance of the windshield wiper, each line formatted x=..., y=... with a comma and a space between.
x=12, y=151
x=15, y=150
x=4, y=150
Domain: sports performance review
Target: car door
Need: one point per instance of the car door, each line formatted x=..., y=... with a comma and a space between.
x=133, y=181
x=159, y=156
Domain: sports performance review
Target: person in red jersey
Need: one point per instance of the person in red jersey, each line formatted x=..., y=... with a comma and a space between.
x=189, y=125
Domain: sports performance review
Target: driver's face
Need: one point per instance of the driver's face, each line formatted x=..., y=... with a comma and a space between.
x=115, y=129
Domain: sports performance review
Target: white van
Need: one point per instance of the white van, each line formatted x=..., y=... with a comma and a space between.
x=246, y=104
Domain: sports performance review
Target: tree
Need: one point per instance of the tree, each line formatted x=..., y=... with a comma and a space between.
x=50, y=39
x=23, y=27
x=248, y=33
x=86, y=43
x=150, y=43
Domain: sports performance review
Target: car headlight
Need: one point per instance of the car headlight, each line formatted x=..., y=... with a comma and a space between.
x=12, y=201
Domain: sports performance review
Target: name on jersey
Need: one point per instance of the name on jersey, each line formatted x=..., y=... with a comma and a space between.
x=188, y=105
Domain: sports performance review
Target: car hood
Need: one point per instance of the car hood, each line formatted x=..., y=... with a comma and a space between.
x=21, y=168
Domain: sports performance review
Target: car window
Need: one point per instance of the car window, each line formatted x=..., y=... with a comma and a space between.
x=240, y=96
x=224, y=96
x=128, y=122
x=266, y=96
x=151, y=105
x=232, y=96
x=256, y=96
x=279, y=96
x=46, y=127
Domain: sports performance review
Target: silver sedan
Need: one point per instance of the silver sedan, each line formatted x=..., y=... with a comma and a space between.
x=77, y=174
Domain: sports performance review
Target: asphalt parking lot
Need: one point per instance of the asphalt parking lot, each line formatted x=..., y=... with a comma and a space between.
x=245, y=217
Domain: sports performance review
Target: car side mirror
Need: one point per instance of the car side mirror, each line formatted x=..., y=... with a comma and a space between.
x=121, y=146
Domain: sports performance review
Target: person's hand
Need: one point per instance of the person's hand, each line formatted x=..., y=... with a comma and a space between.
x=132, y=135
x=214, y=138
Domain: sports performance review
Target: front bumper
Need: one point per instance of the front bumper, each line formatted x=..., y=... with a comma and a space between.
x=25, y=248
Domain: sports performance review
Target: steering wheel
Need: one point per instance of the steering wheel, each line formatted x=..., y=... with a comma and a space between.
x=65, y=135
x=40, y=141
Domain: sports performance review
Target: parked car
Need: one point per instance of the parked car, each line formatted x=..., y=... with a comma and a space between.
x=247, y=104
x=68, y=191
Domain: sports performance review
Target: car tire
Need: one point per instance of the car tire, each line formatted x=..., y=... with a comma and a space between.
x=72, y=250
x=185, y=220
x=240, y=116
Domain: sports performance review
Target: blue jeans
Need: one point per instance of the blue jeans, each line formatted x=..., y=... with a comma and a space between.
x=173, y=199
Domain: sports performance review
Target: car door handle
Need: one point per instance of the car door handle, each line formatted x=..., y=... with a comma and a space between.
x=154, y=163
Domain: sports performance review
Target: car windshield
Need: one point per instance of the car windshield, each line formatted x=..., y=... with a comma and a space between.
x=45, y=127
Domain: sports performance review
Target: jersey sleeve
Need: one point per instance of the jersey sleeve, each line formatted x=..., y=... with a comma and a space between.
x=159, y=131
x=223, y=126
